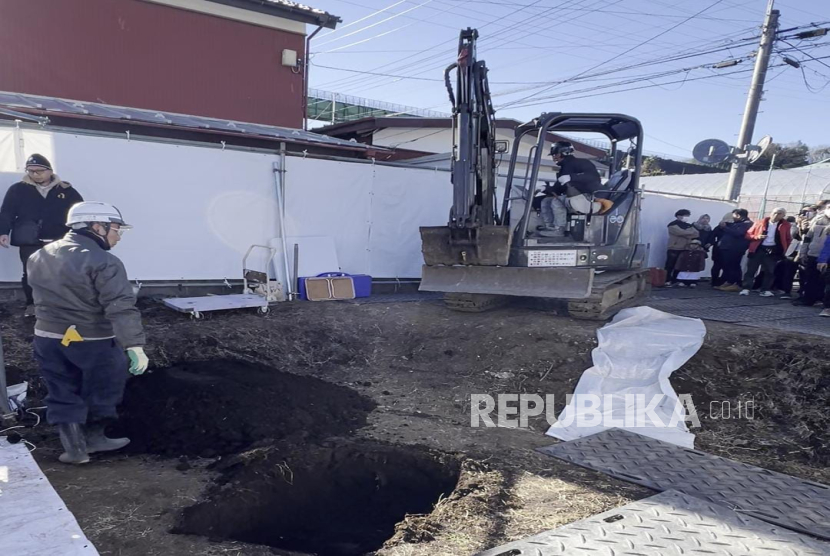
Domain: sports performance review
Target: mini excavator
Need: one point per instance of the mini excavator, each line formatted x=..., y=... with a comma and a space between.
x=490, y=252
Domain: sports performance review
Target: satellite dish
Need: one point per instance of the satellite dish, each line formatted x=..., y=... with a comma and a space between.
x=711, y=151
x=758, y=150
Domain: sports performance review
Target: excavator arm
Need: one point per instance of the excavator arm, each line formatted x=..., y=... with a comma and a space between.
x=474, y=138
x=473, y=234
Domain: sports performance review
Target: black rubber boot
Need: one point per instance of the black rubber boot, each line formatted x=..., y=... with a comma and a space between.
x=74, y=443
x=97, y=441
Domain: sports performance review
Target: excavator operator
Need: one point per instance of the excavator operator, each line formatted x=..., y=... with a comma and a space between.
x=576, y=182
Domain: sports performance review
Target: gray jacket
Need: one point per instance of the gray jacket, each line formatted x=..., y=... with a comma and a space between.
x=815, y=237
x=75, y=281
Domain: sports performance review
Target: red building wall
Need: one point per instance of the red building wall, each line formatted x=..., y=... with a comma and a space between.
x=143, y=55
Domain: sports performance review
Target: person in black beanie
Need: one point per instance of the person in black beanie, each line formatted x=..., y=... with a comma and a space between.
x=34, y=212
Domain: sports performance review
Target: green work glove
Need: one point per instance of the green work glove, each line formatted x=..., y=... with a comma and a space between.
x=138, y=360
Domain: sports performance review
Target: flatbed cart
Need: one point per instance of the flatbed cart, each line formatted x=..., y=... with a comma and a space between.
x=197, y=307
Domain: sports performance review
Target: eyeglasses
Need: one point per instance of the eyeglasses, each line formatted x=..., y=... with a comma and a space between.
x=119, y=231
x=37, y=171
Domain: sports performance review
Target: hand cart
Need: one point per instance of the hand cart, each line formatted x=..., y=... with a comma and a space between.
x=255, y=288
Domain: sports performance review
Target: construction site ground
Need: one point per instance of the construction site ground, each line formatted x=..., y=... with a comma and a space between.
x=315, y=429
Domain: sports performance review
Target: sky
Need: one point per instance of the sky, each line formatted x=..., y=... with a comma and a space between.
x=581, y=55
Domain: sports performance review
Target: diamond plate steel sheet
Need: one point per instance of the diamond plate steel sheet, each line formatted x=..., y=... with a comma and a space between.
x=716, y=302
x=742, y=314
x=784, y=500
x=819, y=326
x=668, y=524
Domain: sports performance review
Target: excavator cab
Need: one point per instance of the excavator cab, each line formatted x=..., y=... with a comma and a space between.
x=490, y=247
x=603, y=237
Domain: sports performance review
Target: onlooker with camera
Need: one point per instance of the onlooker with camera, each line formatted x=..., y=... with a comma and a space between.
x=788, y=267
x=813, y=240
x=821, y=266
x=34, y=212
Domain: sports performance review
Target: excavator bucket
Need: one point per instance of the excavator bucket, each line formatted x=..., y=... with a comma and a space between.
x=553, y=282
x=483, y=245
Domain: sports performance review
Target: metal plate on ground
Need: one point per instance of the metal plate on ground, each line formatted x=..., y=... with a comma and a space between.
x=780, y=499
x=690, y=293
x=668, y=524
x=715, y=302
x=399, y=298
x=216, y=302
x=819, y=326
x=743, y=314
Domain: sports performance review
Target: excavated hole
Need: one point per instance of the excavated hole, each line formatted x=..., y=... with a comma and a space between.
x=223, y=406
x=340, y=499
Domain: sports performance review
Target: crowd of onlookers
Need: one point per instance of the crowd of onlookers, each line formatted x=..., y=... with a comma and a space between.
x=780, y=250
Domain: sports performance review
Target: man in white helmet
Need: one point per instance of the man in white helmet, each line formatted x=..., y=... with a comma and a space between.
x=86, y=319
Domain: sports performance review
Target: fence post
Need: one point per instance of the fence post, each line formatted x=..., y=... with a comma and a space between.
x=766, y=188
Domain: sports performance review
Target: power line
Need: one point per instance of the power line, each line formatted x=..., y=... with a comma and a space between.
x=364, y=18
x=498, y=3
x=712, y=76
x=810, y=57
x=375, y=24
x=484, y=48
x=433, y=79
x=629, y=50
x=353, y=83
x=419, y=60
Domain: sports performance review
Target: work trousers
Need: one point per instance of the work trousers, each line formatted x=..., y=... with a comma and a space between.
x=730, y=260
x=765, y=259
x=812, y=282
x=785, y=275
x=717, y=267
x=85, y=380
x=671, y=261
x=26, y=251
x=555, y=209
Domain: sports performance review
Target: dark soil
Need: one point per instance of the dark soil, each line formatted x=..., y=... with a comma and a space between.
x=339, y=499
x=219, y=407
x=419, y=364
x=761, y=395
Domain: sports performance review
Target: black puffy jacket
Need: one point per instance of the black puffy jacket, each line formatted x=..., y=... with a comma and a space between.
x=585, y=178
x=30, y=217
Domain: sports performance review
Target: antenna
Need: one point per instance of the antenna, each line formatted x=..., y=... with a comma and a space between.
x=757, y=151
x=712, y=151
x=715, y=151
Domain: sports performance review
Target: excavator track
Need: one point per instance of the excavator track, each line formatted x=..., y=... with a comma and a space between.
x=612, y=291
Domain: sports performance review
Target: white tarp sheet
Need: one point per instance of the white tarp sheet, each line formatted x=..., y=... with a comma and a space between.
x=34, y=521
x=628, y=387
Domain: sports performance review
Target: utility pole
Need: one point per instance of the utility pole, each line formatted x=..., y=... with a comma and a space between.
x=756, y=89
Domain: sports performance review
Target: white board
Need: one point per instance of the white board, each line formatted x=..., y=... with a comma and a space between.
x=34, y=521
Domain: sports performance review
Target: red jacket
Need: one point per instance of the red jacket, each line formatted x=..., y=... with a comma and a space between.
x=759, y=228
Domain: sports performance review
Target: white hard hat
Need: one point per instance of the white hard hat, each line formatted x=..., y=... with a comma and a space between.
x=94, y=211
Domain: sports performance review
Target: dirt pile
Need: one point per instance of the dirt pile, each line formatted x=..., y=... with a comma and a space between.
x=219, y=407
x=784, y=387
x=337, y=499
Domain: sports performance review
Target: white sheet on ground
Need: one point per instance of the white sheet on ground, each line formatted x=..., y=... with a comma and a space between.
x=34, y=521
x=628, y=386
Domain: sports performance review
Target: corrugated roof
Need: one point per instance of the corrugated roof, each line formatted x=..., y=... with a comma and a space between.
x=34, y=104
x=286, y=9
x=783, y=183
